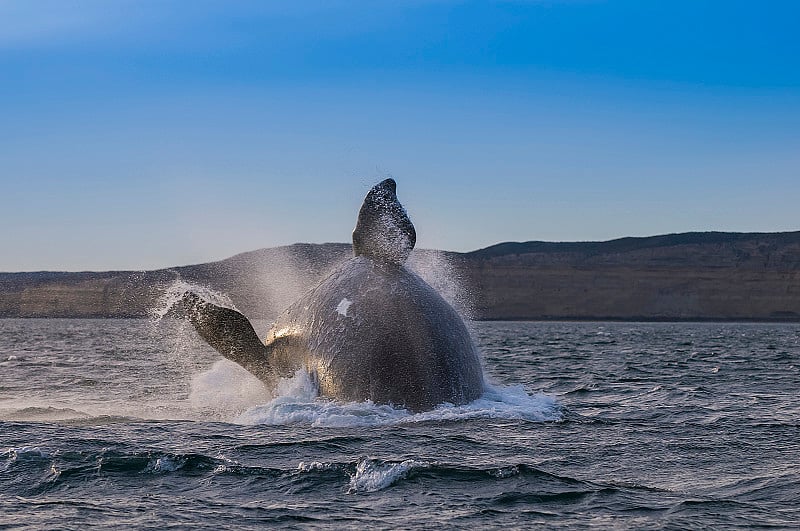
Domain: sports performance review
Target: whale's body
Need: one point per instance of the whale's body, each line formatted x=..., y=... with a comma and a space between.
x=379, y=332
x=372, y=330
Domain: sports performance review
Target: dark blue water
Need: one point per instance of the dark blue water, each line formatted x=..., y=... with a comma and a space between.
x=590, y=425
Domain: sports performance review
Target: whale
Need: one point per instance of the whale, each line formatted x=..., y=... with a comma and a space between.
x=373, y=330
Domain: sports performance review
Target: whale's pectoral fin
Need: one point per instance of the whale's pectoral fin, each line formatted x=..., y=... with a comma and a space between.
x=229, y=332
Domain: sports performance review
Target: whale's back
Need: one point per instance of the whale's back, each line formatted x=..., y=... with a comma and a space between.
x=376, y=331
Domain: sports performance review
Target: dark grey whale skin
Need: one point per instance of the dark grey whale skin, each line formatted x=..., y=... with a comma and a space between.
x=373, y=330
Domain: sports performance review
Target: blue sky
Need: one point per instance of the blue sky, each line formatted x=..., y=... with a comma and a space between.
x=144, y=134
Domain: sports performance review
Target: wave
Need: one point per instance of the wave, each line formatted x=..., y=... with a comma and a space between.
x=40, y=471
x=496, y=488
x=329, y=486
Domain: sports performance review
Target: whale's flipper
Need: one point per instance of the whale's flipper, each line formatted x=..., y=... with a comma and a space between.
x=231, y=334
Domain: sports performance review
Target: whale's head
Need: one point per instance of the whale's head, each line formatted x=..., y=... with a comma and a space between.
x=383, y=231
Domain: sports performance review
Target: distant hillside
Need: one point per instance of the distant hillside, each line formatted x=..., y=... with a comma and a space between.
x=691, y=276
x=261, y=283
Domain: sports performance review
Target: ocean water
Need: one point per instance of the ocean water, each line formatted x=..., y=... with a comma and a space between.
x=136, y=424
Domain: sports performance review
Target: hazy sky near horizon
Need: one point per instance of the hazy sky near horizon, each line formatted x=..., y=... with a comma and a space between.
x=145, y=134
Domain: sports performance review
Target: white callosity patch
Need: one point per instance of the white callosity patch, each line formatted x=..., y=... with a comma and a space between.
x=343, y=306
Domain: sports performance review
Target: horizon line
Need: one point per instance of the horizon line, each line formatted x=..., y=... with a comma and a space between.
x=492, y=246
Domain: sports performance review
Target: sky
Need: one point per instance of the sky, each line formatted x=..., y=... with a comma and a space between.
x=147, y=134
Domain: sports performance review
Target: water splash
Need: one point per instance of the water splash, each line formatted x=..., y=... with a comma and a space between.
x=435, y=268
x=174, y=292
x=297, y=403
x=226, y=390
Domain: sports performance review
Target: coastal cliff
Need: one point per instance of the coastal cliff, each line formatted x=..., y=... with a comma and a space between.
x=691, y=276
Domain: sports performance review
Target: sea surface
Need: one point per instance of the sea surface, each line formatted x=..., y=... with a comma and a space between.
x=137, y=424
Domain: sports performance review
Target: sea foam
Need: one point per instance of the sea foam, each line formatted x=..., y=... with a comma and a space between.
x=372, y=475
x=297, y=403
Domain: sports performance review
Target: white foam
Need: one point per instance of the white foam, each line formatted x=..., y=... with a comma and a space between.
x=315, y=466
x=506, y=402
x=372, y=476
x=165, y=464
x=300, y=386
x=26, y=452
x=297, y=403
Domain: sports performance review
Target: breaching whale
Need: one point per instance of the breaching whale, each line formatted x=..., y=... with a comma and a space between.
x=372, y=330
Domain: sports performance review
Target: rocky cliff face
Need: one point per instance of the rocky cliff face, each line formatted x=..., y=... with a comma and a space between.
x=693, y=276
